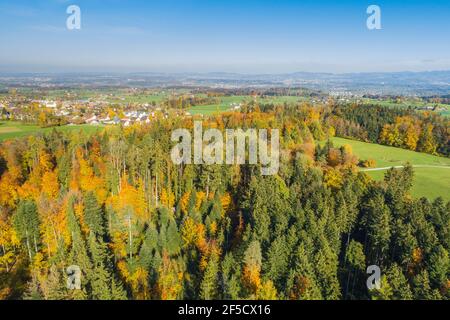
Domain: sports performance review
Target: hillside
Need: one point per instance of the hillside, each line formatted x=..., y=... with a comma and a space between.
x=432, y=173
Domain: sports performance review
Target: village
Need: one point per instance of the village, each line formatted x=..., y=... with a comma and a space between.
x=76, y=112
x=133, y=106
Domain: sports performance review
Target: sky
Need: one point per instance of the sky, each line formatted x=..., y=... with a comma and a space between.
x=245, y=36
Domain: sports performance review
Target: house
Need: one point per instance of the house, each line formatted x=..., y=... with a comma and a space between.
x=236, y=106
x=92, y=119
x=46, y=103
x=125, y=122
x=50, y=104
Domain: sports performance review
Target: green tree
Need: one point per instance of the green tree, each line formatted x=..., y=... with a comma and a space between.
x=26, y=224
x=100, y=279
x=78, y=254
x=209, y=286
x=398, y=283
x=93, y=214
x=439, y=267
x=303, y=280
x=378, y=224
x=422, y=288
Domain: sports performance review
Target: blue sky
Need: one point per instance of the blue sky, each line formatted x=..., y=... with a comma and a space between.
x=247, y=36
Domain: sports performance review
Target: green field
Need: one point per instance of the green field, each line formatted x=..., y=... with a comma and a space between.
x=446, y=113
x=430, y=182
x=224, y=105
x=208, y=109
x=115, y=96
x=408, y=104
x=137, y=98
x=13, y=129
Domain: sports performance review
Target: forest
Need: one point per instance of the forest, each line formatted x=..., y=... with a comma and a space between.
x=140, y=227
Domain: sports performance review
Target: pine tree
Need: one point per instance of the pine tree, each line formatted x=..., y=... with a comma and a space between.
x=378, y=226
x=276, y=264
x=439, y=267
x=398, y=283
x=117, y=290
x=78, y=254
x=100, y=279
x=384, y=292
x=56, y=286
x=148, y=247
x=209, y=286
x=326, y=263
x=26, y=224
x=422, y=288
x=302, y=281
x=231, y=286
x=173, y=238
x=93, y=214
x=355, y=262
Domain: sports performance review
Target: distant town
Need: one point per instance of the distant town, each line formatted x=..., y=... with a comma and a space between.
x=113, y=100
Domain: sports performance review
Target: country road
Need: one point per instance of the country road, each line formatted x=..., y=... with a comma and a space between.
x=399, y=167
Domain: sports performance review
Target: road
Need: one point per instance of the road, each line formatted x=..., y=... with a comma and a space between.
x=400, y=167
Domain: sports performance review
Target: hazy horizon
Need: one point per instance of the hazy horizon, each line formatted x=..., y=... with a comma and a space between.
x=94, y=71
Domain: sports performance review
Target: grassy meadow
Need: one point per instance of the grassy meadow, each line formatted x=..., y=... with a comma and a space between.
x=430, y=182
x=225, y=103
x=13, y=129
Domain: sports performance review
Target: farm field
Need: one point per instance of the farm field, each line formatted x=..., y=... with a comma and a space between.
x=12, y=129
x=432, y=180
x=138, y=98
x=223, y=106
x=56, y=94
x=209, y=109
x=226, y=102
x=408, y=104
x=114, y=96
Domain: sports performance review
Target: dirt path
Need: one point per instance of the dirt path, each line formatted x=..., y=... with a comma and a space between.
x=400, y=167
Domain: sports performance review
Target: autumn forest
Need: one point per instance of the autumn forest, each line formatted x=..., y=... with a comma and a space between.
x=139, y=227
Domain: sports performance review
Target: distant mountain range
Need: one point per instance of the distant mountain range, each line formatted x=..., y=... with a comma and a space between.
x=406, y=83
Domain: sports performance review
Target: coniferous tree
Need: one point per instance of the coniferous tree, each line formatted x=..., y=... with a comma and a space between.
x=101, y=278
x=26, y=224
x=423, y=289
x=399, y=284
x=78, y=254
x=209, y=286
x=93, y=214
x=230, y=278
x=303, y=283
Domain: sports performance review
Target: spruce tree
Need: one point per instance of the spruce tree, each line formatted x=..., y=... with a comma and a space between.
x=93, y=214
x=78, y=254
x=100, y=278
x=26, y=224
x=209, y=286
